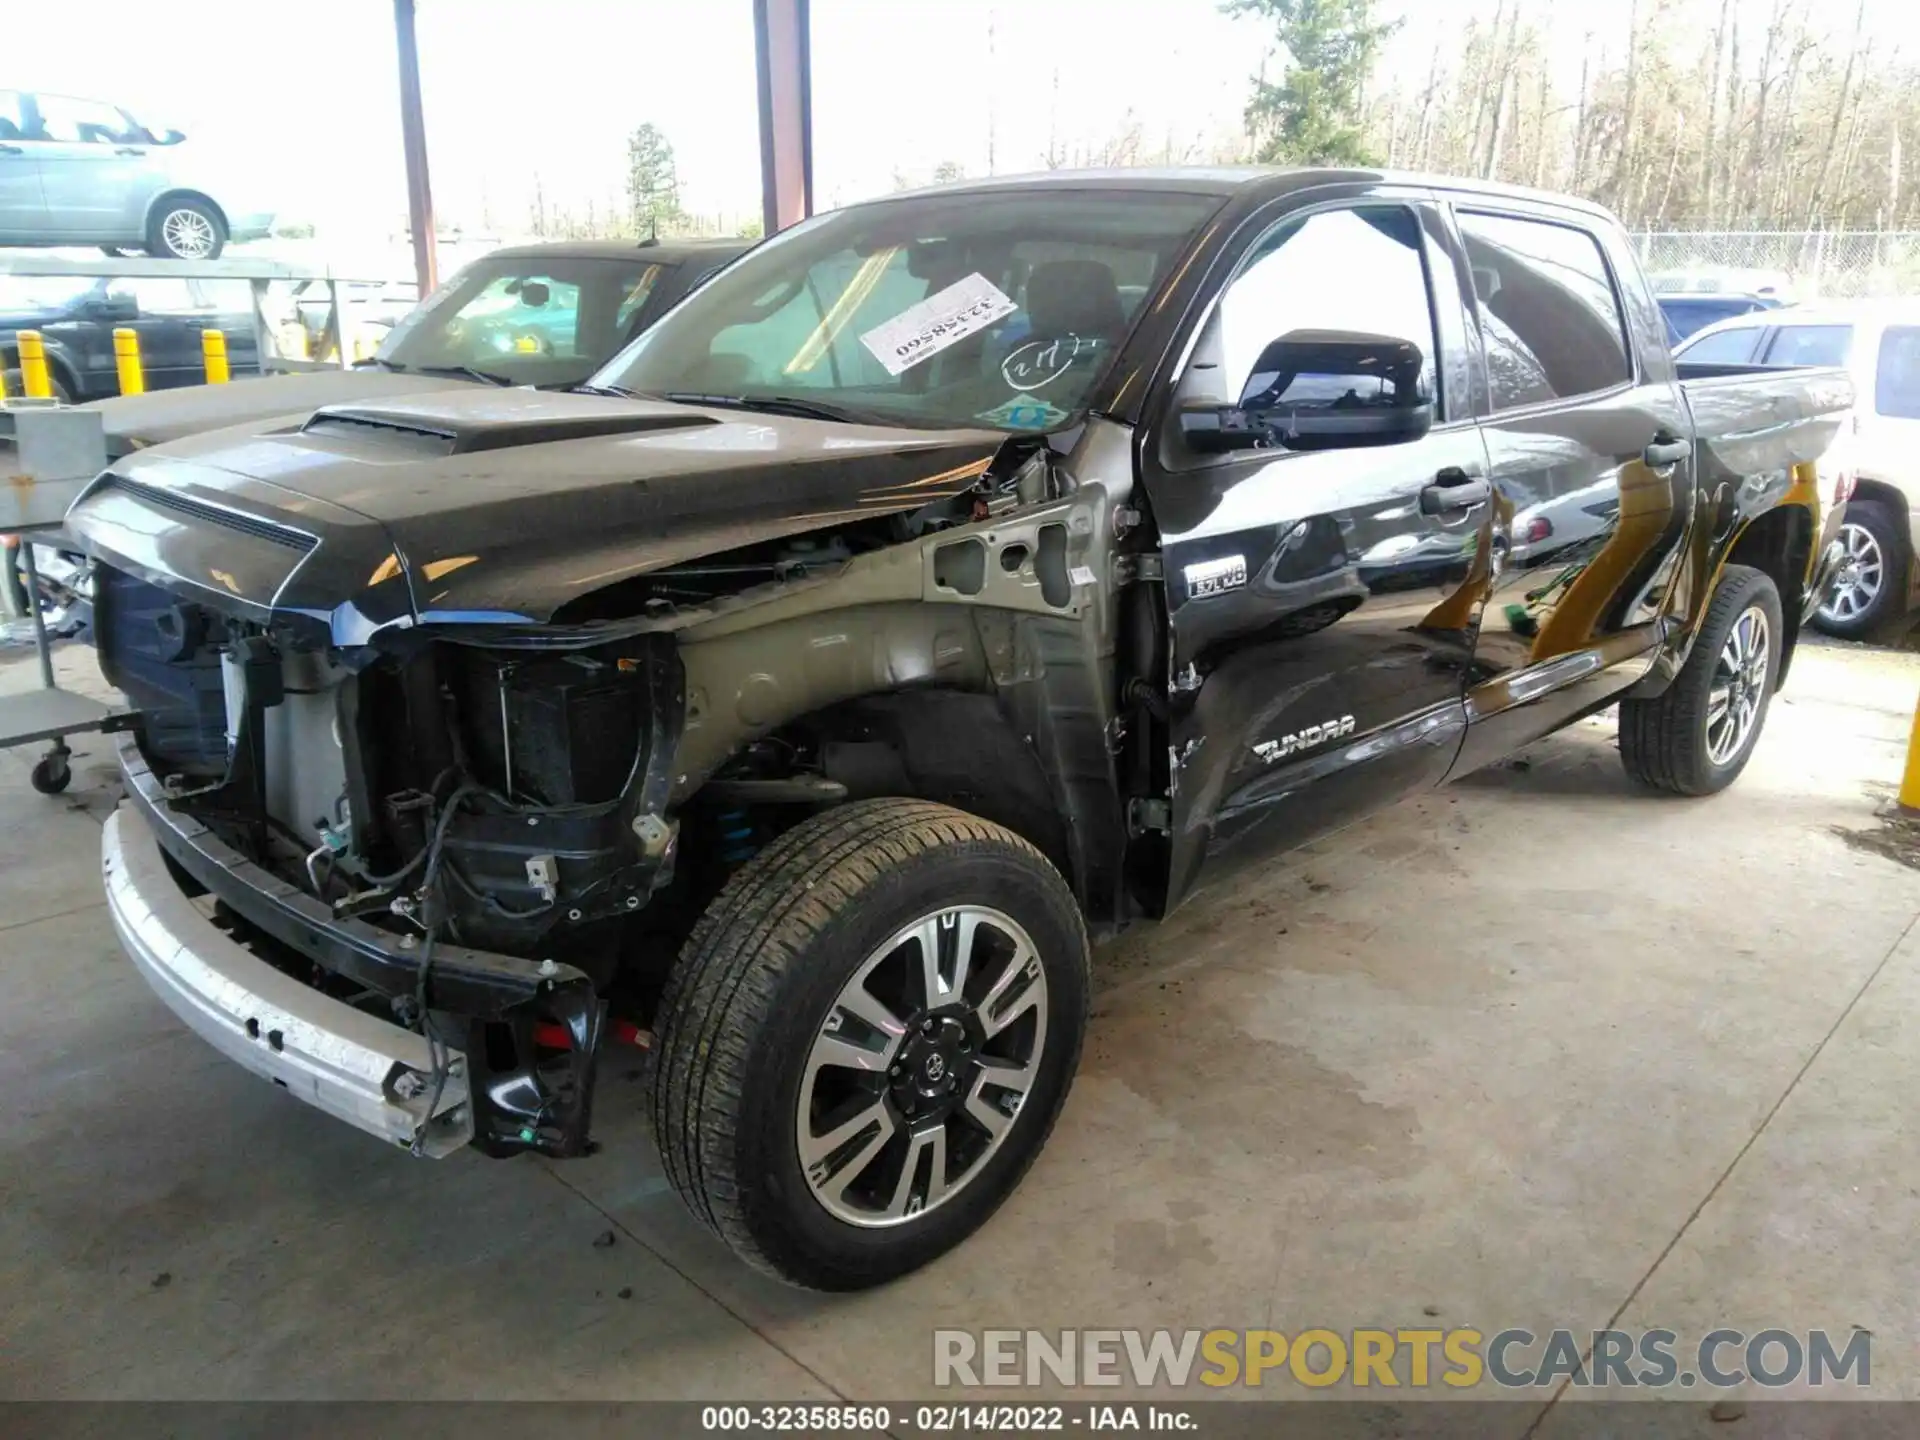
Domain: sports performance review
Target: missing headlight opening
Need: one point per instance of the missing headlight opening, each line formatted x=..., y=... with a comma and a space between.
x=511, y=809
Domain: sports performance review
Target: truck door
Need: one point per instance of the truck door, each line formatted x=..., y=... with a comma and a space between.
x=168, y=315
x=1320, y=591
x=1590, y=446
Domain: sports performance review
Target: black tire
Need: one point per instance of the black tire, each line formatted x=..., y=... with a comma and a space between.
x=1886, y=553
x=51, y=774
x=164, y=238
x=1665, y=742
x=17, y=386
x=759, y=983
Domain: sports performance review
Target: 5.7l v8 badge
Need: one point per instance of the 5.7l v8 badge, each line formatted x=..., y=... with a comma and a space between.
x=1211, y=577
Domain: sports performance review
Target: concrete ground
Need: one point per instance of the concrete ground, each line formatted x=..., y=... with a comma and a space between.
x=1534, y=1051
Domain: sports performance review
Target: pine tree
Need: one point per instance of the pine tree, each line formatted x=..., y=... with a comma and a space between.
x=1312, y=116
x=653, y=184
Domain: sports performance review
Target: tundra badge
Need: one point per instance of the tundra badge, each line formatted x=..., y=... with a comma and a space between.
x=1212, y=577
x=1271, y=750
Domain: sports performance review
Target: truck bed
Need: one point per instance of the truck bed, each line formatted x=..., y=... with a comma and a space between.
x=1752, y=420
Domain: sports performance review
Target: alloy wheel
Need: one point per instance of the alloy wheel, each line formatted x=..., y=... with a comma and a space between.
x=920, y=1066
x=1739, y=686
x=188, y=234
x=1862, y=571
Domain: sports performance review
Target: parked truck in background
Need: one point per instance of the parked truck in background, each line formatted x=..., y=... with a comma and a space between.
x=76, y=318
x=956, y=577
x=546, y=315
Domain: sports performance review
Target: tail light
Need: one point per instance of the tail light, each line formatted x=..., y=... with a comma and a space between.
x=1843, y=487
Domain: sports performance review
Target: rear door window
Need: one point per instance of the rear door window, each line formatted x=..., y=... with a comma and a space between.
x=1810, y=345
x=84, y=122
x=1549, y=316
x=1724, y=347
x=1896, y=388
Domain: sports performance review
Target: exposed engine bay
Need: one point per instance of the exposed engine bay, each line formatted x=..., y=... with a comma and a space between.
x=515, y=791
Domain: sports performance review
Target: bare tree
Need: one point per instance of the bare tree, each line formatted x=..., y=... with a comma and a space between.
x=1840, y=117
x=1703, y=118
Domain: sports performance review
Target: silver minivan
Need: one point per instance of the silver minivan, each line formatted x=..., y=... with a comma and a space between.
x=82, y=172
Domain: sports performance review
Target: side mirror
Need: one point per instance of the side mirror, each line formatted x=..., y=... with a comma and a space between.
x=1320, y=390
x=111, y=308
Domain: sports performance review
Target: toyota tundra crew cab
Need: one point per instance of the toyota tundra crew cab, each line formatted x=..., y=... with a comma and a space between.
x=953, y=578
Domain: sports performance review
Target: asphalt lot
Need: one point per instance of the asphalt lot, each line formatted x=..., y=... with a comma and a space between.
x=1536, y=1051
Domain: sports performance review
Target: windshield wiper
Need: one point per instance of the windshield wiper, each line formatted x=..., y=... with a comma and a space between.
x=464, y=371
x=618, y=392
x=767, y=404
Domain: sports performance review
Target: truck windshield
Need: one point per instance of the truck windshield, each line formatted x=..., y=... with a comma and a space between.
x=550, y=320
x=999, y=310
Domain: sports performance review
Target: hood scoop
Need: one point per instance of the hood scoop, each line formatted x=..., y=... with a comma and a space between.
x=446, y=435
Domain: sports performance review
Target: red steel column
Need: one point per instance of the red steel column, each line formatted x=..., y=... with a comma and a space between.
x=413, y=131
x=781, y=49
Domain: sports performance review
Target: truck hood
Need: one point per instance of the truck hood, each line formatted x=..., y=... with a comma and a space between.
x=491, y=505
x=12, y=320
x=133, y=422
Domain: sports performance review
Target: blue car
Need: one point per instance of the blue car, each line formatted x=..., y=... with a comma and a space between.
x=1688, y=313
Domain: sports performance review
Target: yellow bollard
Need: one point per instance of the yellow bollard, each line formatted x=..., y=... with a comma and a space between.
x=1910, y=782
x=34, y=378
x=126, y=356
x=213, y=349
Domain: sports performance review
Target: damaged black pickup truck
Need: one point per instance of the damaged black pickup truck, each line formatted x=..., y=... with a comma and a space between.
x=952, y=578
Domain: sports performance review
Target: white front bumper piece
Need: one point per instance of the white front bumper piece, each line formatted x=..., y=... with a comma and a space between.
x=358, y=1068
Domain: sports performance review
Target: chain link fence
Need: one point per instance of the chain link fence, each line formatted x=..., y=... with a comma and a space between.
x=1802, y=264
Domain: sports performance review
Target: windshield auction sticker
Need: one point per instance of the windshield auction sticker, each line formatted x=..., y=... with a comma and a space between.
x=942, y=319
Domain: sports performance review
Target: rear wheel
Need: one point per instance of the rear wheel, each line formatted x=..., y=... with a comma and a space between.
x=1870, y=586
x=186, y=230
x=1694, y=738
x=867, y=1039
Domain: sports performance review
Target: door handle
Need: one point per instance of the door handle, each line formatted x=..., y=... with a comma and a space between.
x=1665, y=451
x=1454, y=489
x=129, y=150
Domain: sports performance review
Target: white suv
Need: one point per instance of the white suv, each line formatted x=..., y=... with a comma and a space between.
x=1878, y=463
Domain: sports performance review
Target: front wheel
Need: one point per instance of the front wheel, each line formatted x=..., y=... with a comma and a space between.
x=867, y=1039
x=16, y=384
x=1697, y=736
x=186, y=230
